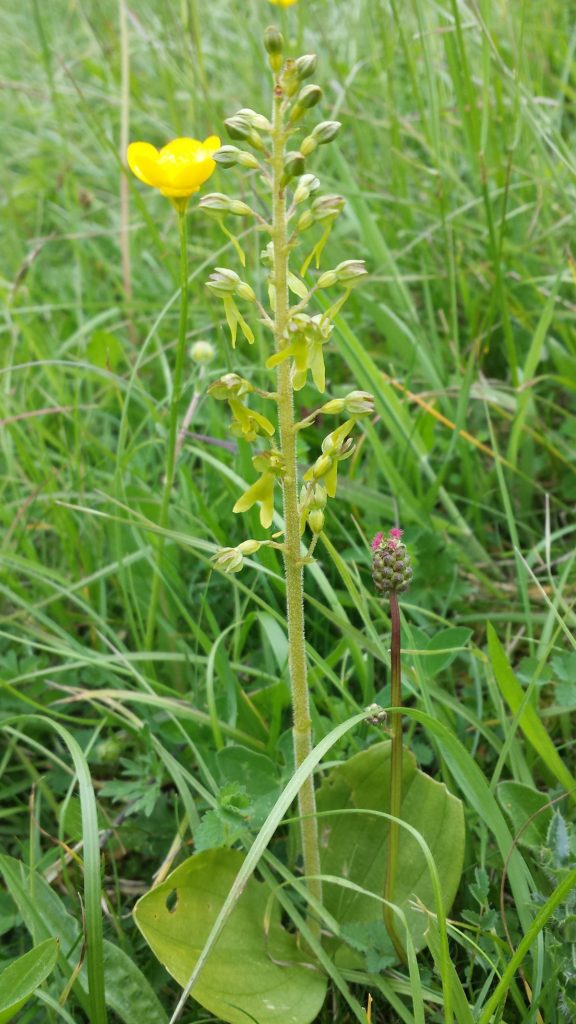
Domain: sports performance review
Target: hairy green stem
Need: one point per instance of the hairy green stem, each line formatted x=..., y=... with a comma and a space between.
x=395, y=777
x=301, y=731
x=172, y=428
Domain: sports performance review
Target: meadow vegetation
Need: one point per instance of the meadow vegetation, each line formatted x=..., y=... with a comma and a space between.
x=125, y=749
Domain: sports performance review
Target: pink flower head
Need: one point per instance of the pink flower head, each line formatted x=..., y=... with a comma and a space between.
x=377, y=541
x=395, y=533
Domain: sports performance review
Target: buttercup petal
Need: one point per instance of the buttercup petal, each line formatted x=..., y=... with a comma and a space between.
x=143, y=161
x=182, y=149
x=212, y=143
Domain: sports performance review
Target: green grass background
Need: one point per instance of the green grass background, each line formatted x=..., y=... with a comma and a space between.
x=456, y=159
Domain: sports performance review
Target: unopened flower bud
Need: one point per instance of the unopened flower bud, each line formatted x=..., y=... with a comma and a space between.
x=240, y=209
x=217, y=202
x=316, y=520
x=305, y=65
x=325, y=132
x=249, y=547
x=326, y=206
x=223, y=282
x=327, y=279
x=333, y=407
x=274, y=45
x=231, y=385
x=308, y=184
x=239, y=127
x=307, y=98
x=320, y=135
x=305, y=221
x=350, y=272
x=255, y=120
x=391, y=566
x=308, y=145
x=202, y=353
x=294, y=164
x=359, y=403
x=227, y=156
x=230, y=156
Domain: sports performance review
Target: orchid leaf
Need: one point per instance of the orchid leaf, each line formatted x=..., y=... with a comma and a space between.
x=354, y=846
x=257, y=970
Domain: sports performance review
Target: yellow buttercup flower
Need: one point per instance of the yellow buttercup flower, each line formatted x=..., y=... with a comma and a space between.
x=178, y=169
x=282, y=3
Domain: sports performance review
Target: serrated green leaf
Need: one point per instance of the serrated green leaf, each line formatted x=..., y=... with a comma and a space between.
x=256, y=970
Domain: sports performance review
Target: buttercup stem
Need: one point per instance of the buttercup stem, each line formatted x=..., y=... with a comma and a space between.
x=173, y=424
x=395, y=776
x=301, y=725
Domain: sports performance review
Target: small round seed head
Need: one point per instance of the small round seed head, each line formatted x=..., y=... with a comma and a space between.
x=391, y=566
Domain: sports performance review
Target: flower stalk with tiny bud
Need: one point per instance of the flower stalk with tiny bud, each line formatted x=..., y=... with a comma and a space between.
x=392, y=573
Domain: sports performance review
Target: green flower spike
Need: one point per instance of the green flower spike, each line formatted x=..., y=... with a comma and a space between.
x=270, y=465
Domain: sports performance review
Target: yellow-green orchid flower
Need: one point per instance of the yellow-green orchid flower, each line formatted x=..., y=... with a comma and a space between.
x=270, y=465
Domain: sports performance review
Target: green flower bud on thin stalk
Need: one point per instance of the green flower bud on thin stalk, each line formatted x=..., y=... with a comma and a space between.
x=217, y=202
x=392, y=573
x=294, y=166
x=255, y=120
x=239, y=127
x=349, y=273
x=231, y=156
x=274, y=44
x=307, y=98
x=320, y=136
